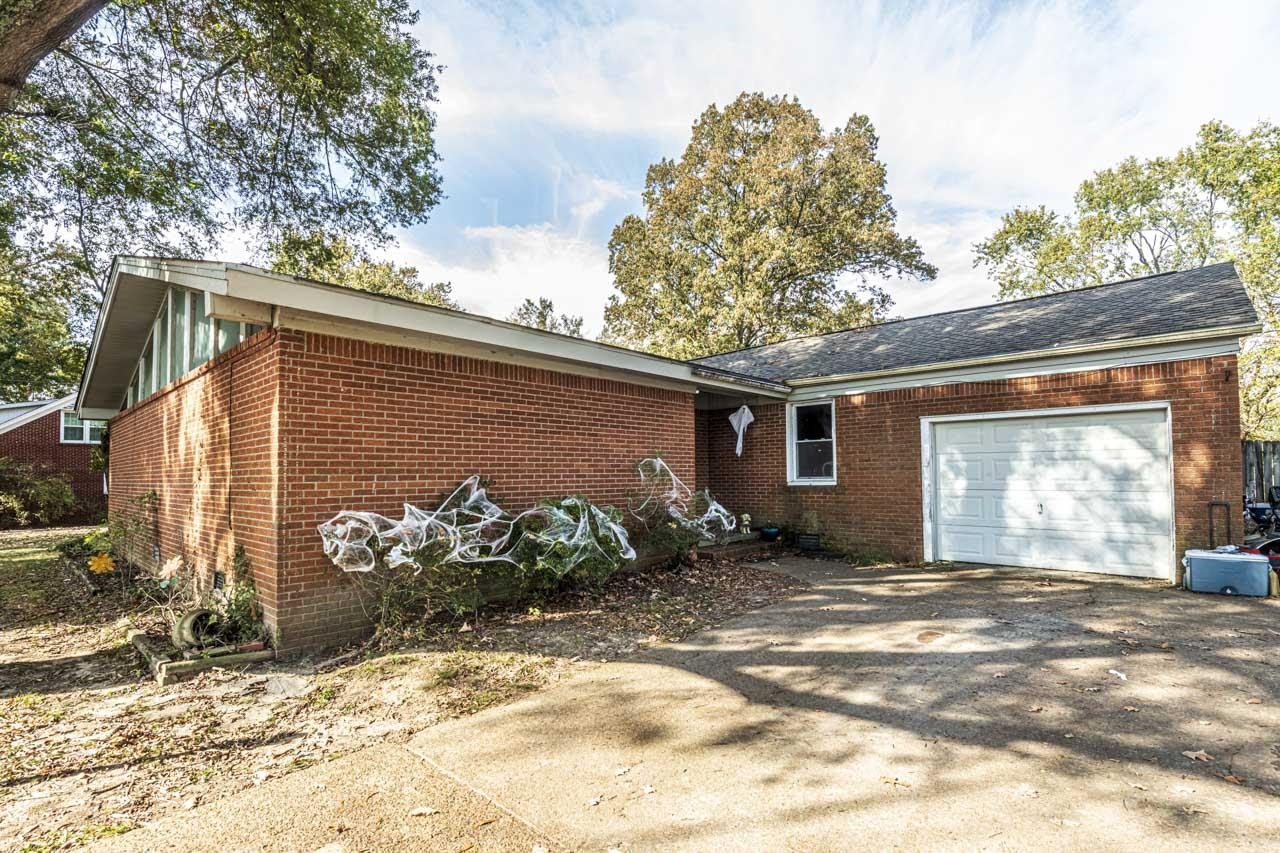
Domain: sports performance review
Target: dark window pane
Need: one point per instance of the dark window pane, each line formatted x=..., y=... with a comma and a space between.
x=814, y=460
x=813, y=422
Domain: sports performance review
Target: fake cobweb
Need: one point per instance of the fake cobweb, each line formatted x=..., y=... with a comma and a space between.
x=664, y=494
x=468, y=527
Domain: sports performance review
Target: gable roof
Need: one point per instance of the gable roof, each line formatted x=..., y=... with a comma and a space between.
x=1192, y=303
x=136, y=289
x=34, y=411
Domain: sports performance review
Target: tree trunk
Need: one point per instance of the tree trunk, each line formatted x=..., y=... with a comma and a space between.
x=32, y=34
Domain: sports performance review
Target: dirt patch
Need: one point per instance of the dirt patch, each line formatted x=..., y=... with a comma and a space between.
x=92, y=747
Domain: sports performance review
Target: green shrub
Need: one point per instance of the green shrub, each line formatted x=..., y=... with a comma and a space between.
x=13, y=513
x=28, y=496
x=563, y=543
x=80, y=549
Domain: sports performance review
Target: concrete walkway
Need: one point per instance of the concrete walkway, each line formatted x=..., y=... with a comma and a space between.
x=956, y=709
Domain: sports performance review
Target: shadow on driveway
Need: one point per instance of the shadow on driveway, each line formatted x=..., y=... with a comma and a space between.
x=918, y=707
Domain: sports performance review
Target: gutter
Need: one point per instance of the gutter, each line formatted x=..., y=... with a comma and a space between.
x=1028, y=355
x=740, y=378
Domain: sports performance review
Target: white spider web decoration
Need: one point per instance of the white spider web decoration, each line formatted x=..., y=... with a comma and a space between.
x=470, y=528
x=664, y=491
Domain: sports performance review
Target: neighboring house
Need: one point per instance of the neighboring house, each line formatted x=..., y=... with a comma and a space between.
x=49, y=435
x=1086, y=430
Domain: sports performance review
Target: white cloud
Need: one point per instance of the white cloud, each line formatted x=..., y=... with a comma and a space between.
x=980, y=105
x=518, y=262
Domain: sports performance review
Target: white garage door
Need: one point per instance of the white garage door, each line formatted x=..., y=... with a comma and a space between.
x=1087, y=492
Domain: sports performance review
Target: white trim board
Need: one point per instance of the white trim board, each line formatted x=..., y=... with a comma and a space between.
x=38, y=413
x=791, y=451
x=928, y=462
x=1072, y=363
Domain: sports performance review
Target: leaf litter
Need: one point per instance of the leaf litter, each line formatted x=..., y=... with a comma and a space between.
x=91, y=740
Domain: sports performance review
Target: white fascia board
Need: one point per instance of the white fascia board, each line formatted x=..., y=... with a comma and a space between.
x=38, y=413
x=97, y=414
x=1126, y=354
x=326, y=300
x=209, y=276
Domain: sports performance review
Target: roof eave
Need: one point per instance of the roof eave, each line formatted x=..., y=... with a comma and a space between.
x=257, y=285
x=38, y=413
x=1237, y=331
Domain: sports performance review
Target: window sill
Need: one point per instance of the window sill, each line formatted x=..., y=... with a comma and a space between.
x=811, y=482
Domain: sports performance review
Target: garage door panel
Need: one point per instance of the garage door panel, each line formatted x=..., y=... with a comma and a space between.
x=966, y=545
x=962, y=508
x=1083, y=474
x=1113, y=553
x=1086, y=492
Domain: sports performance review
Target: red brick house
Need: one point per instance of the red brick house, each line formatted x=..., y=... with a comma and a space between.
x=1081, y=431
x=48, y=435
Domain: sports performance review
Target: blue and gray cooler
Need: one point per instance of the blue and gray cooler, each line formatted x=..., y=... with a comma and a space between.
x=1227, y=573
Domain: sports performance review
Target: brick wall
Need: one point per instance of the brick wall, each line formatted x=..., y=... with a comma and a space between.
x=369, y=426
x=39, y=443
x=878, y=498
x=206, y=446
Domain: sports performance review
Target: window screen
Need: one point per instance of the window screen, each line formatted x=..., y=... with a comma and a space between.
x=813, y=432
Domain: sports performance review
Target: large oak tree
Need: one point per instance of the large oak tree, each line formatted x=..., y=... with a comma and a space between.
x=766, y=228
x=1218, y=199
x=164, y=126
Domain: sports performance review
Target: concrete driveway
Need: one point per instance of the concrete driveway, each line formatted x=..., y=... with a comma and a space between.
x=959, y=708
x=964, y=708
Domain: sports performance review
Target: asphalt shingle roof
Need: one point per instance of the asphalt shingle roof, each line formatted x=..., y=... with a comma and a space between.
x=1171, y=303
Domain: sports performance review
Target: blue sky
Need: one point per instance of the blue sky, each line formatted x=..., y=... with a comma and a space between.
x=550, y=114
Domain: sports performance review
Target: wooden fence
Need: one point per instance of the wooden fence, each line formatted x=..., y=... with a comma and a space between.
x=1261, y=467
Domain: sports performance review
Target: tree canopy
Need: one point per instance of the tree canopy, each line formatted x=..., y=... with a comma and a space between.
x=756, y=233
x=1218, y=199
x=323, y=257
x=542, y=315
x=163, y=126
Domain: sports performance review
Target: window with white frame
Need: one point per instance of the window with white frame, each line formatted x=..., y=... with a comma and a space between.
x=77, y=431
x=811, y=443
x=182, y=338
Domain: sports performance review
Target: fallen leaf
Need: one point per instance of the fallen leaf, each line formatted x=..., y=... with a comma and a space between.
x=998, y=675
x=424, y=811
x=1234, y=780
x=595, y=801
x=1198, y=755
x=1131, y=709
x=1068, y=735
x=1253, y=700
x=1136, y=785
x=928, y=636
x=1118, y=674
x=1036, y=709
